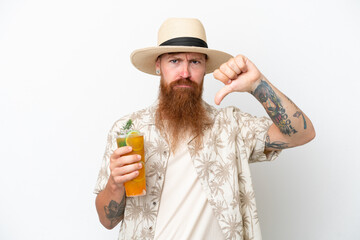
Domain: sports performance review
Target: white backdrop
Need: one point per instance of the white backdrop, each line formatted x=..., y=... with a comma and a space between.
x=65, y=77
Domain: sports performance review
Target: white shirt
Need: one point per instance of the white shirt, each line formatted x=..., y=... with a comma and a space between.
x=184, y=212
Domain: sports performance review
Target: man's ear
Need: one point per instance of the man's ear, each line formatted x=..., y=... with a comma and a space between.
x=157, y=63
x=157, y=66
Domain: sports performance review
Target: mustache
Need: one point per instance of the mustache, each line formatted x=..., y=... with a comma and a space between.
x=184, y=81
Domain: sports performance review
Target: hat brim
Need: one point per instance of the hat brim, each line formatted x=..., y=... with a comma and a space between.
x=144, y=59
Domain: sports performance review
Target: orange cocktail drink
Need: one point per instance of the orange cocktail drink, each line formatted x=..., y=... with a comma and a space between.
x=137, y=186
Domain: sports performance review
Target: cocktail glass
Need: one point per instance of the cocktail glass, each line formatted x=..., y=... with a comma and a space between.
x=137, y=186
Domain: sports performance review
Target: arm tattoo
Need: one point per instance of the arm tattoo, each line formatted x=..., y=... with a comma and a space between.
x=115, y=211
x=276, y=144
x=298, y=114
x=272, y=103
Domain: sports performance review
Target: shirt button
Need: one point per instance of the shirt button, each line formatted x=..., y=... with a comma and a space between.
x=154, y=203
x=165, y=152
x=159, y=177
x=150, y=228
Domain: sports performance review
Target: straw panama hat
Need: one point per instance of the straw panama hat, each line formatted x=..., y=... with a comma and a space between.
x=178, y=35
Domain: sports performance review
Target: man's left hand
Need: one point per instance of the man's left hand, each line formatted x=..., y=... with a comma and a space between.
x=238, y=74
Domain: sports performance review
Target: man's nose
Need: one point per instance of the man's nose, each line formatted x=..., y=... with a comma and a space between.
x=185, y=71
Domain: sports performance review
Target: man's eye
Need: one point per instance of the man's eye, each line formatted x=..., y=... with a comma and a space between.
x=173, y=60
x=196, y=62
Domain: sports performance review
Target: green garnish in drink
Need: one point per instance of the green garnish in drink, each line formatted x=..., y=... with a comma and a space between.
x=128, y=125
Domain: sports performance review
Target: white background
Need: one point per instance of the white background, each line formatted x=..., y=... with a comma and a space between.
x=65, y=77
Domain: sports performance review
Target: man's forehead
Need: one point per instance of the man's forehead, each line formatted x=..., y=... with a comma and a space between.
x=187, y=54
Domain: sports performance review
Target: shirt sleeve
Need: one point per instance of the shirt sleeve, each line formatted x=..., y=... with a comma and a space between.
x=104, y=172
x=253, y=132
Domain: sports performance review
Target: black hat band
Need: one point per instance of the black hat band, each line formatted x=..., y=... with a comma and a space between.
x=185, y=41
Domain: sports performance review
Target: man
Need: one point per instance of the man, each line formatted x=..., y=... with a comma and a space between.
x=197, y=157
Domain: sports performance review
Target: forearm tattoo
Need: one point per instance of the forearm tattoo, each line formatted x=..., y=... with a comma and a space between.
x=115, y=211
x=272, y=103
x=276, y=144
x=298, y=114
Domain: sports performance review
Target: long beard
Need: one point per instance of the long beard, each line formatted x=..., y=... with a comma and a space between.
x=181, y=112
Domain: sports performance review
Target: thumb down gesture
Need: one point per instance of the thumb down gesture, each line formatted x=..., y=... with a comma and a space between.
x=238, y=74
